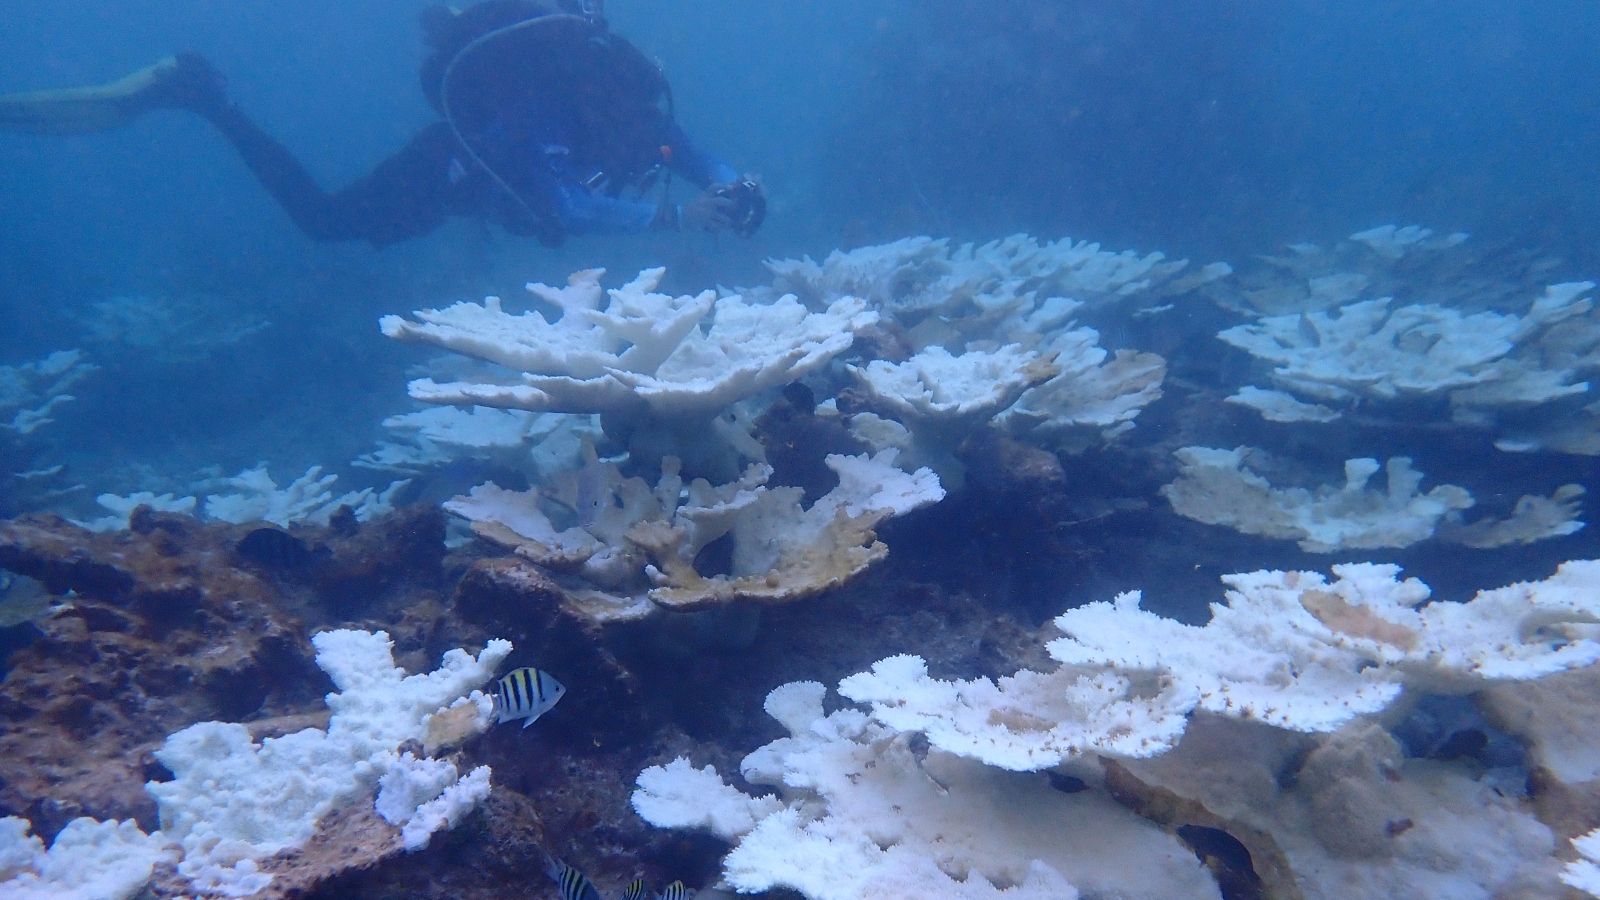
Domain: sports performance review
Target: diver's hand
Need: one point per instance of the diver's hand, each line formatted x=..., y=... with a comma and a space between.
x=709, y=211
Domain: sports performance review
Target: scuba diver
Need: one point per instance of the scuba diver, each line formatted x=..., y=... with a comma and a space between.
x=550, y=126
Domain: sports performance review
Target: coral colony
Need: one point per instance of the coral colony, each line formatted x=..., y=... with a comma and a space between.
x=679, y=505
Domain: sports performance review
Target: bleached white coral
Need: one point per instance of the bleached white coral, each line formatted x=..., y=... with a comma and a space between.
x=943, y=398
x=307, y=499
x=1214, y=486
x=1534, y=518
x=88, y=860
x=863, y=816
x=1358, y=821
x=1584, y=873
x=677, y=795
x=910, y=278
x=31, y=392
x=645, y=352
x=123, y=507
x=1290, y=654
x=1024, y=722
x=1106, y=396
x=423, y=796
x=1410, y=262
x=232, y=802
x=1280, y=406
x=935, y=389
x=1394, y=241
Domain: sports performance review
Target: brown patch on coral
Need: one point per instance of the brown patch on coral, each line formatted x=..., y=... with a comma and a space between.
x=1568, y=809
x=1267, y=862
x=1356, y=621
x=351, y=838
x=842, y=550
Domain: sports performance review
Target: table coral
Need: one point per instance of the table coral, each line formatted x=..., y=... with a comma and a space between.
x=644, y=352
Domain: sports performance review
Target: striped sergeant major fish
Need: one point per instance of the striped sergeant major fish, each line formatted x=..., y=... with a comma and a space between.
x=525, y=693
x=676, y=891
x=572, y=884
x=635, y=890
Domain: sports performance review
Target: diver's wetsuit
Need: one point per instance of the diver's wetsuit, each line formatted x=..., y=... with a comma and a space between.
x=564, y=133
x=412, y=192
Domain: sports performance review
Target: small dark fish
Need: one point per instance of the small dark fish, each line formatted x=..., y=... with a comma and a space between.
x=635, y=890
x=574, y=885
x=525, y=693
x=676, y=891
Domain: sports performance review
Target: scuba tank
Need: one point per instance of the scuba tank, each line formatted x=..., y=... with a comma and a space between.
x=507, y=55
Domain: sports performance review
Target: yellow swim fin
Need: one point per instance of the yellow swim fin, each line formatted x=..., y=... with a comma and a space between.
x=100, y=107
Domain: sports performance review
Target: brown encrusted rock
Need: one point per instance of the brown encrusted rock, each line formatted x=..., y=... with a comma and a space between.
x=797, y=442
x=494, y=852
x=999, y=463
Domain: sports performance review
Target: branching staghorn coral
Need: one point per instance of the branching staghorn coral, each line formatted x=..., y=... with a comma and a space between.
x=308, y=498
x=31, y=395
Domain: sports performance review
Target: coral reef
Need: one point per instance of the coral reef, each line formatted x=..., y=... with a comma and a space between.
x=88, y=860
x=915, y=277
x=170, y=623
x=169, y=329
x=677, y=468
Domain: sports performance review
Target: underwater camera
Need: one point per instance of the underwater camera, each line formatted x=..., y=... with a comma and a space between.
x=749, y=205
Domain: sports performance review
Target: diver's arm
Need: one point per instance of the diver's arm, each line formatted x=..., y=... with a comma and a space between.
x=702, y=169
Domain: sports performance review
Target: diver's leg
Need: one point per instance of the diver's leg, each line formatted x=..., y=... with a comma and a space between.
x=407, y=195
